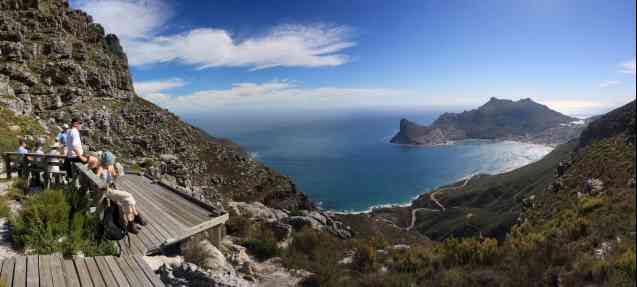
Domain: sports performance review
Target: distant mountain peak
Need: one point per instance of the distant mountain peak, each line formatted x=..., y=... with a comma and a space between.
x=497, y=119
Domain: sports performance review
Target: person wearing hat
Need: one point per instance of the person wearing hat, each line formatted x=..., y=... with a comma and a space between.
x=53, y=168
x=74, y=151
x=61, y=136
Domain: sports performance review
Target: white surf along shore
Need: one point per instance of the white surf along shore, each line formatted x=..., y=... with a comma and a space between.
x=546, y=149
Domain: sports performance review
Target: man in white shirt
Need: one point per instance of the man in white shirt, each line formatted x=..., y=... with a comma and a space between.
x=74, y=151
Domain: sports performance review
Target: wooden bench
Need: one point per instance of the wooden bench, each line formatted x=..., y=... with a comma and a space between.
x=30, y=164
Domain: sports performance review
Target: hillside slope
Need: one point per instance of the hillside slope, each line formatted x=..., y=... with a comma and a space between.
x=56, y=63
x=523, y=120
x=494, y=201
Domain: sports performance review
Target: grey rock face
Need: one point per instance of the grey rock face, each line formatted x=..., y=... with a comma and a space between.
x=56, y=63
x=190, y=275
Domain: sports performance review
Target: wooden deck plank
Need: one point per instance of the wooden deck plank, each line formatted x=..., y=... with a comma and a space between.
x=33, y=272
x=143, y=190
x=20, y=272
x=70, y=273
x=106, y=272
x=82, y=272
x=158, y=231
x=152, y=212
x=154, y=278
x=174, y=203
x=94, y=272
x=180, y=206
x=46, y=280
x=177, y=199
x=157, y=211
x=129, y=274
x=147, y=234
x=138, y=245
x=117, y=272
x=57, y=272
x=7, y=271
x=138, y=272
x=154, y=234
x=148, y=244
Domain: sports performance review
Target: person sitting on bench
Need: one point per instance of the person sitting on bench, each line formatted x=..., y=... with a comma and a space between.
x=22, y=162
x=54, y=163
x=104, y=167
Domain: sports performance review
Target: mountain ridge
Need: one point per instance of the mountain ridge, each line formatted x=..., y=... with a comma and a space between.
x=498, y=119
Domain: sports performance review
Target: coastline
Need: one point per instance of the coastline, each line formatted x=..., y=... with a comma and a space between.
x=409, y=203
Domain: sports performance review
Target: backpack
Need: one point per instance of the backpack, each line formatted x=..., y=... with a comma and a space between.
x=113, y=223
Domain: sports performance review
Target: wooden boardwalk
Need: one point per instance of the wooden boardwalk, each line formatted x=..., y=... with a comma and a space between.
x=54, y=271
x=171, y=217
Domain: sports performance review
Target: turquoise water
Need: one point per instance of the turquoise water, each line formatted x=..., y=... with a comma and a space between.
x=345, y=163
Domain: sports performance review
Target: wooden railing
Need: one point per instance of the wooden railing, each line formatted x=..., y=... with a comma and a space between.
x=12, y=161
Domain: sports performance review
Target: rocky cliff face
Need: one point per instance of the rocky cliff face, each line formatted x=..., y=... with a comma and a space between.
x=523, y=120
x=56, y=63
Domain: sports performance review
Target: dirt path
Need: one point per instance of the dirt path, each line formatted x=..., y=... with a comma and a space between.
x=6, y=245
x=433, y=198
x=413, y=216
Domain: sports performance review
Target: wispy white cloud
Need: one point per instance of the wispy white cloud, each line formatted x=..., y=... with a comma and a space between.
x=155, y=91
x=147, y=87
x=628, y=67
x=276, y=94
x=129, y=19
x=609, y=83
x=139, y=23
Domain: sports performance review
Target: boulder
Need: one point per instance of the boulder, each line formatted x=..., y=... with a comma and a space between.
x=191, y=275
x=299, y=222
x=213, y=258
x=257, y=211
x=281, y=230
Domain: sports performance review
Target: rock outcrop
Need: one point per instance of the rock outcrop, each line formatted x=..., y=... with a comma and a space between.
x=523, y=120
x=56, y=63
x=282, y=222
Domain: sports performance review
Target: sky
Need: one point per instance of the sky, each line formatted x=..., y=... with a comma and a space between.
x=239, y=57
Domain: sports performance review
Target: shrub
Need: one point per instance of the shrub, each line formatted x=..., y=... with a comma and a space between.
x=588, y=267
x=5, y=210
x=318, y=253
x=455, y=277
x=46, y=224
x=469, y=251
x=262, y=243
x=262, y=249
x=422, y=260
x=625, y=265
x=296, y=212
x=589, y=203
x=364, y=258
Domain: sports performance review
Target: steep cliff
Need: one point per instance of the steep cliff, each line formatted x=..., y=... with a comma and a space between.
x=523, y=120
x=56, y=63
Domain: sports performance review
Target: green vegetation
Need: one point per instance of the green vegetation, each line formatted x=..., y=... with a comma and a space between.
x=49, y=223
x=569, y=237
x=494, y=201
x=13, y=126
x=5, y=211
x=262, y=243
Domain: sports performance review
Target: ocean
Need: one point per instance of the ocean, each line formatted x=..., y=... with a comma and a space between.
x=344, y=161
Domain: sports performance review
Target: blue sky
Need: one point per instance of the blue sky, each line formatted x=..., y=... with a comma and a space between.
x=244, y=56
